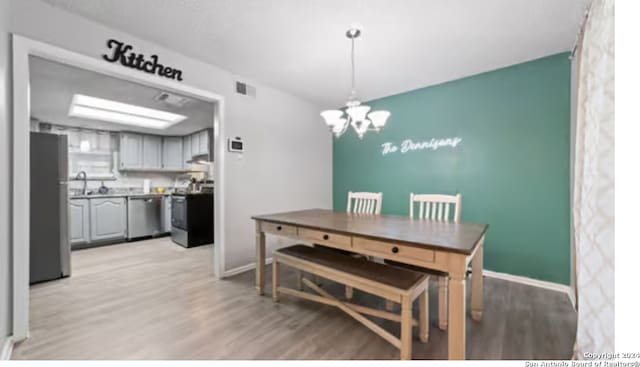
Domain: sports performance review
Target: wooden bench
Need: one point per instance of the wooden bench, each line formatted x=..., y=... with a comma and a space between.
x=394, y=284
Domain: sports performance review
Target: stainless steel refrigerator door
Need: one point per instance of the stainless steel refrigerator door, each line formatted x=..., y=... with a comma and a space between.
x=49, y=221
x=63, y=194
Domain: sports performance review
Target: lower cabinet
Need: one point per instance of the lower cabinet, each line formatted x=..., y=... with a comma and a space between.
x=108, y=219
x=79, y=221
x=99, y=220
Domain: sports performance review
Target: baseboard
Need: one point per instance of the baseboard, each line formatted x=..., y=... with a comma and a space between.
x=532, y=282
x=242, y=269
x=7, y=348
x=572, y=298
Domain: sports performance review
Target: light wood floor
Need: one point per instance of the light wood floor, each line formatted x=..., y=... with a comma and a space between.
x=156, y=300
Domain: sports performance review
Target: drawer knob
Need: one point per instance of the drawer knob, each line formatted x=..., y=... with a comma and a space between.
x=279, y=228
x=325, y=237
x=395, y=250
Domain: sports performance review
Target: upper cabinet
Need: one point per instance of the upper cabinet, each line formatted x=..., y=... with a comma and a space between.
x=130, y=151
x=201, y=142
x=143, y=152
x=152, y=152
x=195, y=144
x=186, y=151
x=172, y=153
x=204, y=141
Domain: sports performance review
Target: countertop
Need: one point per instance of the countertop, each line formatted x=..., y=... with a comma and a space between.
x=117, y=195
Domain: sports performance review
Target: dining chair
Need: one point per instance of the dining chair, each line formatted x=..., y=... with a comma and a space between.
x=364, y=202
x=359, y=203
x=438, y=208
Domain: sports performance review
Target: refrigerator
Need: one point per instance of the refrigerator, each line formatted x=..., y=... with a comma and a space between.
x=50, y=251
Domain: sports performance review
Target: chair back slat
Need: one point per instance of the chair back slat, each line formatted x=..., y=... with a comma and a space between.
x=364, y=202
x=436, y=207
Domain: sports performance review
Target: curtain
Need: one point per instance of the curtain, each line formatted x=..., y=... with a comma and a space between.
x=593, y=200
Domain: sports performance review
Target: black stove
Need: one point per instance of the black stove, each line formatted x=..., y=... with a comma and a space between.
x=192, y=218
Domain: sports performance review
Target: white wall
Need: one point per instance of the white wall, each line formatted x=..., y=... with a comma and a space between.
x=288, y=156
x=5, y=157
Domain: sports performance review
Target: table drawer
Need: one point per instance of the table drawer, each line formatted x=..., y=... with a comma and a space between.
x=325, y=238
x=401, y=253
x=279, y=229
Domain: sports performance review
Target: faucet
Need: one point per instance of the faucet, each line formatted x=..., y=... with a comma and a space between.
x=84, y=178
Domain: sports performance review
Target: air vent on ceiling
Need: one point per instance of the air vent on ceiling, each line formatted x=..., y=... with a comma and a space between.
x=245, y=89
x=172, y=99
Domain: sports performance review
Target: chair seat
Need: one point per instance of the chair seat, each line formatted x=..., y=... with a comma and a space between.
x=403, y=279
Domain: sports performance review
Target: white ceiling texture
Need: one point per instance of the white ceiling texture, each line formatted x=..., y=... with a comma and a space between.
x=53, y=85
x=299, y=45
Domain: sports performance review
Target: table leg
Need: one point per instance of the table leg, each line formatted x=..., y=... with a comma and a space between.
x=457, y=305
x=477, y=293
x=260, y=254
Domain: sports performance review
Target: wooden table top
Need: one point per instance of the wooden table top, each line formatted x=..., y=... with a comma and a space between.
x=454, y=237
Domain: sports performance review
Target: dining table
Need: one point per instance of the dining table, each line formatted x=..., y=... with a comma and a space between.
x=444, y=247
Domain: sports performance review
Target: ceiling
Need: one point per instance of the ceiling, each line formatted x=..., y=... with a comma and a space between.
x=52, y=86
x=299, y=45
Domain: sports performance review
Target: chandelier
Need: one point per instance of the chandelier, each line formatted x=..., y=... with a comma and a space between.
x=357, y=114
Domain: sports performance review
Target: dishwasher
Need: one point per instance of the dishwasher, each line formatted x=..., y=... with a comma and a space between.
x=144, y=216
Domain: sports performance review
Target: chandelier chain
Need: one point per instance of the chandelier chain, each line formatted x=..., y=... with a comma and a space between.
x=353, y=68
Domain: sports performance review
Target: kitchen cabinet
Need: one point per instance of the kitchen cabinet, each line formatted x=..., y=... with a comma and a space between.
x=204, y=141
x=186, y=151
x=195, y=144
x=108, y=218
x=78, y=221
x=172, y=153
x=131, y=151
x=142, y=152
x=151, y=152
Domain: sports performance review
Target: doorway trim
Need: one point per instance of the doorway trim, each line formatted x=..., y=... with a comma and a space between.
x=23, y=48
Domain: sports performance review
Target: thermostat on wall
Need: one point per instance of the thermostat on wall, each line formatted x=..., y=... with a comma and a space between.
x=236, y=145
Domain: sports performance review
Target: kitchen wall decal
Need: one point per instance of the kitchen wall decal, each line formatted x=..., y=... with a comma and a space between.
x=409, y=145
x=123, y=53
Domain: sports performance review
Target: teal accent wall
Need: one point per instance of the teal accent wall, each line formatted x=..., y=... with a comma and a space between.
x=511, y=167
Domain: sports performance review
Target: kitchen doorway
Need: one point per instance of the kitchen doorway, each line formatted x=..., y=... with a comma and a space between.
x=112, y=169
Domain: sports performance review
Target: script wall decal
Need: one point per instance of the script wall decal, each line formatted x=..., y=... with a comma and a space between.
x=409, y=145
x=123, y=53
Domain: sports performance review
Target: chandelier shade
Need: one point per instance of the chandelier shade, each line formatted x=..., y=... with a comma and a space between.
x=358, y=116
x=379, y=119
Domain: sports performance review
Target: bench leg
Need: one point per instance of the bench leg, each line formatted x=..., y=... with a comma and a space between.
x=443, y=296
x=406, y=328
x=424, y=316
x=275, y=268
x=348, y=292
x=388, y=305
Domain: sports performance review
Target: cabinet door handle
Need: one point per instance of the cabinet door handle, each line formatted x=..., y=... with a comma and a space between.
x=395, y=250
x=325, y=237
x=279, y=228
